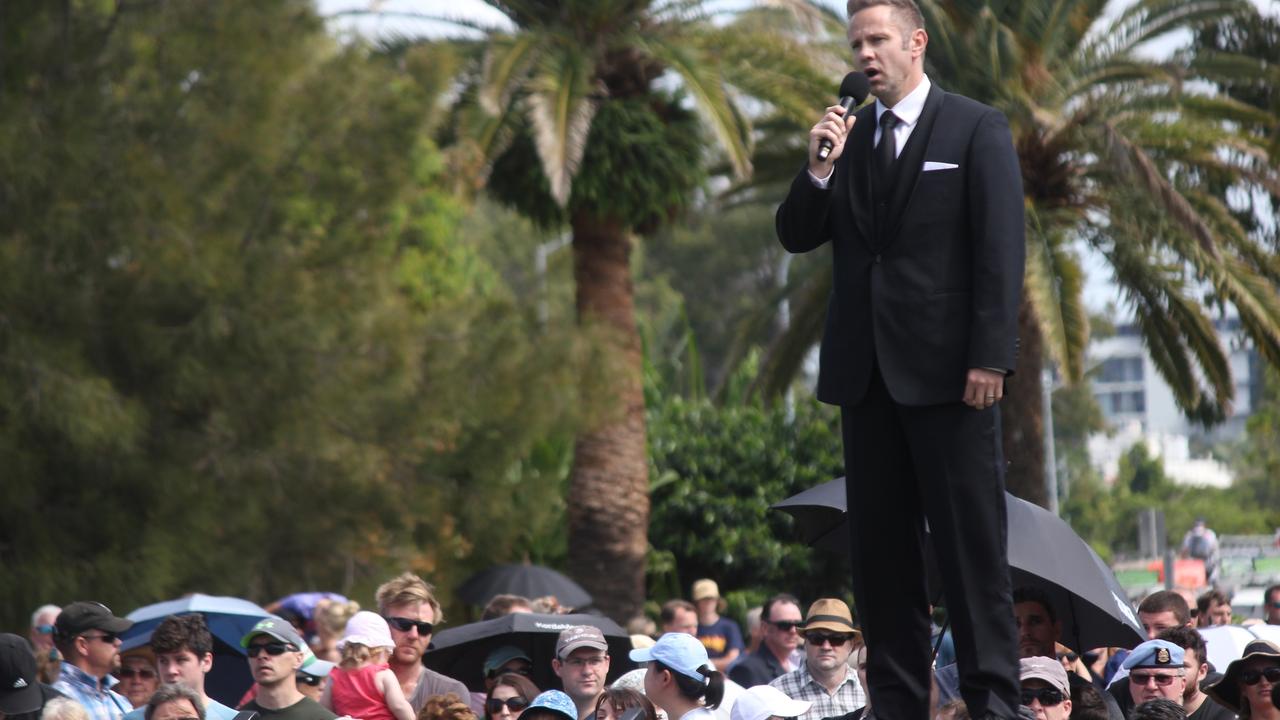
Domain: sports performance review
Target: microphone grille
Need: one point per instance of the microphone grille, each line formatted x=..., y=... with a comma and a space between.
x=857, y=86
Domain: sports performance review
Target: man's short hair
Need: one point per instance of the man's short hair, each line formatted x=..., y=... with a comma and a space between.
x=42, y=610
x=182, y=631
x=766, y=611
x=1166, y=601
x=64, y=708
x=1029, y=593
x=669, y=608
x=1209, y=599
x=171, y=693
x=407, y=588
x=907, y=11
x=1186, y=638
x=1273, y=589
x=502, y=605
x=1087, y=703
x=1158, y=709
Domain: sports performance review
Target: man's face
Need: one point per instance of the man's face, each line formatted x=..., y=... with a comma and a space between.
x=310, y=685
x=272, y=670
x=707, y=606
x=582, y=673
x=1273, y=608
x=1156, y=623
x=781, y=633
x=1152, y=683
x=180, y=709
x=827, y=651
x=100, y=651
x=889, y=54
x=682, y=621
x=42, y=632
x=1036, y=633
x=1196, y=670
x=1219, y=613
x=411, y=643
x=1034, y=696
x=184, y=667
x=138, y=679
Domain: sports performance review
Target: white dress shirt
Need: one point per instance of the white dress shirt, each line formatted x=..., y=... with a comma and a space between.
x=908, y=111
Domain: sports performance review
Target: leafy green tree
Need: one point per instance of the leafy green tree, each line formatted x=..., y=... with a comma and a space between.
x=241, y=350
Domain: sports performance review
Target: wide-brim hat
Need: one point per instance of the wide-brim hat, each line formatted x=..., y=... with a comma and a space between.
x=1227, y=690
x=830, y=614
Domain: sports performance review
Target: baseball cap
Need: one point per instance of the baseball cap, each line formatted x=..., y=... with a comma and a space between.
x=84, y=615
x=580, y=636
x=554, y=701
x=368, y=629
x=763, y=702
x=1046, y=669
x=19, y=689
x=315, y=667
x=705, y=588
x=679, y=651
x=501, y=656
x=829, y=614
x=278, y=628
x=1155, y=654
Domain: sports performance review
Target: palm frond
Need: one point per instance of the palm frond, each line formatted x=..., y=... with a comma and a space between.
x=562, y=102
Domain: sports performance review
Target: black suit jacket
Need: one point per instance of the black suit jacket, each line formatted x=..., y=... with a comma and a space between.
x=927, y=274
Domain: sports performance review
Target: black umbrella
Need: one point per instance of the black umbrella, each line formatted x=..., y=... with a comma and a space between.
x=1044, y=552
x=531, y=581
x=459, y=652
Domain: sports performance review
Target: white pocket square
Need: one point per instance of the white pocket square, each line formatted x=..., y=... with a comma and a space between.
x=930, y=166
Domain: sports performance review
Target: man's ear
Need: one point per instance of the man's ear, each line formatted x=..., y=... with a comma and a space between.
x=206, y=662
x=556, y=665
x=919, y=40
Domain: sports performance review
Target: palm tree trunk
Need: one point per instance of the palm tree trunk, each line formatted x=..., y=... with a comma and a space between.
x=608, y=502
x=1023, y=414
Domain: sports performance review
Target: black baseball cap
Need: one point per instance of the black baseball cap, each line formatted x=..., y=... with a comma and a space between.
x=19, y=689
x=82, y=615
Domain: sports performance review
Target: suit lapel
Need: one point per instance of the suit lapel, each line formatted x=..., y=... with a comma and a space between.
x=857, y=164
x=909, y=163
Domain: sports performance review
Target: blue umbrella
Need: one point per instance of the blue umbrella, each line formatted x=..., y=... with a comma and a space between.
x=228, y=619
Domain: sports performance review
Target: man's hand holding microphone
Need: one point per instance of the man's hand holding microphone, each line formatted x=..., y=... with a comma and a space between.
x=826, y=139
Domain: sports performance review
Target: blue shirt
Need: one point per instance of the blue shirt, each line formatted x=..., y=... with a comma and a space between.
x=95, y=695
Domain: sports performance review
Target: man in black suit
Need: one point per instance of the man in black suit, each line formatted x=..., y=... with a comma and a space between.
x=921, y=200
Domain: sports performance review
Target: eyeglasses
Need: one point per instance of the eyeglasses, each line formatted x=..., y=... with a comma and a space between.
x=272, y=648
x=105, y=637
x=311, y=680
x=787, y=625
x=141, y=673
x=818, y=639
x=582, y=662
x=44, y=629
x=1251, y=677
x=1048, y=696
x=407, y=624
x=1141, y=678
x=514, y=704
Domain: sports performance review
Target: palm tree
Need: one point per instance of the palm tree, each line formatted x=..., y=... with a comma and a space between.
x=1118, y=153
x=591, y=115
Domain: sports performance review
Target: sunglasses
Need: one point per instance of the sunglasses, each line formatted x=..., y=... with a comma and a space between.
x=818, y=639
x=105, y=637
x=514, y=704
x=44, y=629
x=310, y=680
x=1142, y=679
x=787, y=625
x=1048, y=697
x=1251, y=677
x=142, y=673
x=406, y=624
x=272, y=648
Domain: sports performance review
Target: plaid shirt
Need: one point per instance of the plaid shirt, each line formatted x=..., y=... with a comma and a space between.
x=800, y=685
x=95, y=695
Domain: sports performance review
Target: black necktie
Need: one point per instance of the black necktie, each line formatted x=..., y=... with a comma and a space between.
x=887, y=150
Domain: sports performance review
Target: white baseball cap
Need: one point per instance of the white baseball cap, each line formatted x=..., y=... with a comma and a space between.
x=765, y=701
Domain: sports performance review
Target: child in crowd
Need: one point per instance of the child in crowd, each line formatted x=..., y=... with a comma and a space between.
x=363, y=685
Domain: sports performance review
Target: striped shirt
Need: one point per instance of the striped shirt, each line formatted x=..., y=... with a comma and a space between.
x=95, y=695
x=800, y=685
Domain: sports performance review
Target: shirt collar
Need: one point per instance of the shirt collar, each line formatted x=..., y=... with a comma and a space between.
x=84, y=678
x=908, y=108
x=806, y=678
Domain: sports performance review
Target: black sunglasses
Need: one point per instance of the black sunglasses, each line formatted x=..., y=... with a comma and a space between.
x=787, y=625
x=817, y=639
x=106, y=637
x=514, y=704
x=406, y=624
x=128, y=673
x=272, y=648
x=1251, y=677
x=311, y=680
x=1048, y=697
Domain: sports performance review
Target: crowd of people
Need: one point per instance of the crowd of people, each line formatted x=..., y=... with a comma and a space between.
x=806, y=665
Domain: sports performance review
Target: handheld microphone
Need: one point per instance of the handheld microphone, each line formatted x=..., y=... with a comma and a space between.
x=853, y=90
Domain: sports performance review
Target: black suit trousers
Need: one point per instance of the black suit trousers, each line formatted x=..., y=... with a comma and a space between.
x=945, y=463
